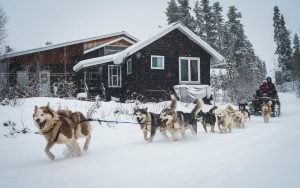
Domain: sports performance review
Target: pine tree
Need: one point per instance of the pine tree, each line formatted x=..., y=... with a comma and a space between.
x=283, y=42
x=186, y=18
x=241, y=64
x=199, y=23
x=218, y=24
x=287, y=48
x=276, y=25
x=296, y=56
x=206, y=27
x=173, y=13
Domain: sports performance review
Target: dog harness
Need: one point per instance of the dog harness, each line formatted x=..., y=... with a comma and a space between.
x=51, y=129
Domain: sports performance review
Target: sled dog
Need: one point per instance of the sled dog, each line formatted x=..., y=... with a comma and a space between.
x=224, y=120
x=208, y=119
x=57, y=129
x=83, y=128
x=177, y=121
x=239, y=119
x=242, y=107
x=266, y=111
x=149, y=122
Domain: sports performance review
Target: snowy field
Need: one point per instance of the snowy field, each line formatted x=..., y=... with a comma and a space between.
x=261, y=155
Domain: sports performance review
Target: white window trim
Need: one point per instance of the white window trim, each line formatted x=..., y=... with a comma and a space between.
x=163, y=62
x=129, y=61
x=111, y=86
x=189, y=71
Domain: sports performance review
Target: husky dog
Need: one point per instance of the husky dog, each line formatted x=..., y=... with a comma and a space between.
x=208, y=119
x=266, y=111
x=149, y=122
x=239, y=119
x=177, y=121
x=57, y=129
x=83, y=128
x=224, y=120
x=242, y=107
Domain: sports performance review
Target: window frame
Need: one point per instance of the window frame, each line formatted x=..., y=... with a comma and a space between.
x=24, y=74
x=189, y=70
x=119, y=76
x=163, y=62
x=127, y=63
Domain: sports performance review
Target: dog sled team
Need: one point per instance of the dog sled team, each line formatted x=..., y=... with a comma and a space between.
x=66, y=127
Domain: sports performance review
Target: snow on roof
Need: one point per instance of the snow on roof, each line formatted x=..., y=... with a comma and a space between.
x=49, y=47
x=119, y=57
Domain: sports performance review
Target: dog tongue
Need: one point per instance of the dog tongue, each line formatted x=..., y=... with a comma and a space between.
x=42, y=125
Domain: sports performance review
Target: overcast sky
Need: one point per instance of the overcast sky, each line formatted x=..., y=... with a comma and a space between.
x=33, y=22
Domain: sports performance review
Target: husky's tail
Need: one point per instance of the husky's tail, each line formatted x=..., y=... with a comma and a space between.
x=212, y=110
x=198, y=106
x=173, y=102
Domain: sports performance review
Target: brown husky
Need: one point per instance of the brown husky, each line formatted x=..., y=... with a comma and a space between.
x=59, y=129
x=266, y=111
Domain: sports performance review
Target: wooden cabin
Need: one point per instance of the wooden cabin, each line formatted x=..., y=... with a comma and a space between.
x=52, y=65
x=151, y=68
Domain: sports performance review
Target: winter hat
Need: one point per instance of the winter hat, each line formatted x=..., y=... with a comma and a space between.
x=269, y=79
x=264, y=81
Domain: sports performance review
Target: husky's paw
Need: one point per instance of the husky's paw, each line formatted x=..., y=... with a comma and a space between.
x=68, y=153
x=51, y=156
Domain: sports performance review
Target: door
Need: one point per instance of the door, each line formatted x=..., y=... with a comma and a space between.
x=44, y=79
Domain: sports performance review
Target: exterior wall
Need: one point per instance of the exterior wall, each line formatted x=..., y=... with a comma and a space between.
x=58, y=61
x=156, y=82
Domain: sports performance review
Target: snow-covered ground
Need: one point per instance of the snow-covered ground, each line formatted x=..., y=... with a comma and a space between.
x=261, y=155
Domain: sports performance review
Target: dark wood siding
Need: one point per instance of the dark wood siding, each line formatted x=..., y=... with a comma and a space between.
x=156, y=82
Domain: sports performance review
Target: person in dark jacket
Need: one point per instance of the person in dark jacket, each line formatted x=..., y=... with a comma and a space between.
x=264, y=87
x=272, y=90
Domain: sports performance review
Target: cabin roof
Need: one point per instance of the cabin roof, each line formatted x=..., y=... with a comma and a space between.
x=53, y=46
x=118, y=58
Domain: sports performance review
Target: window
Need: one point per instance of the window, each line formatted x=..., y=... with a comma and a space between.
x=189, y=70
x=22, y=78
x=157, y=62
x=93, y=75
x=129, y=66
x=114, y=76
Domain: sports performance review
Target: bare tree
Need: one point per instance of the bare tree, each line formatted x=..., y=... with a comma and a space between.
x=3, y=22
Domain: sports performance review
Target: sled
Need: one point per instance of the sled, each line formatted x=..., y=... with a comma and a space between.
x=255, y=104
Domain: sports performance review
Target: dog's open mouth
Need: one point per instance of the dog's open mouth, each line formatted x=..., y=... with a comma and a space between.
x=139, y=120
x=42, y=125
x=165, y=120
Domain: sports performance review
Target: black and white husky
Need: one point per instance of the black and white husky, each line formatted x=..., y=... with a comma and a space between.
x=244, y=110
x=208, y=119
x=178, y=121
x=149, y=122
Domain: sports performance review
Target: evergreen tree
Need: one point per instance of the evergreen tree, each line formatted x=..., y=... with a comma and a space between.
x=283, y=42
x=206, y=26
x=173, y=13
x=241, y=62
x=264, y=69
x=218, y=24
x=199, y=22
x=296, y=56
x=186, y=18
x=286, y=56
